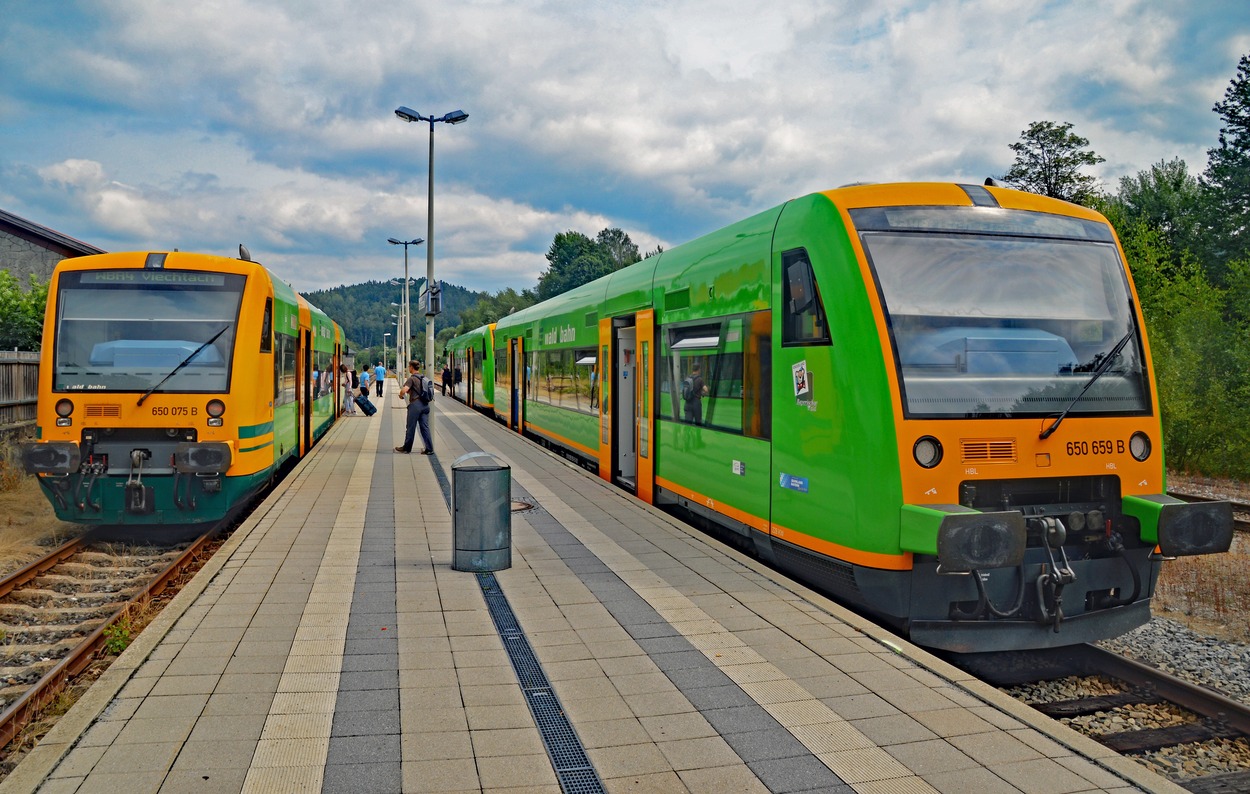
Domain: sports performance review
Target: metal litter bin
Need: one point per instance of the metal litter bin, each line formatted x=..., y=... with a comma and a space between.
x=481, y=513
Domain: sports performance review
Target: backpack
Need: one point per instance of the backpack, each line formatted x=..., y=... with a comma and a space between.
x=687, y=389
x=426, y=395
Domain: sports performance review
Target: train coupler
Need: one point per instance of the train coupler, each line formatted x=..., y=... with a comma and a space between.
x=1050, y=582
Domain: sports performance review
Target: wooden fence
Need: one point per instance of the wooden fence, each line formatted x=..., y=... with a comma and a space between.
x=19, y=390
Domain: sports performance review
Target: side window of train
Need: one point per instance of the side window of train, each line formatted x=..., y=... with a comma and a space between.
x=718, y=374
x=803, y=319
x=266, y=328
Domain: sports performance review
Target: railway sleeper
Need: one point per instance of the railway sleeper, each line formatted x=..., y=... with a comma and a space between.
x=1227, y=783
x=1149, y=739
x=1081, y=707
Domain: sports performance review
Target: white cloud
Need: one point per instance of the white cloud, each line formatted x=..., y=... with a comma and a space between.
x=269, y=123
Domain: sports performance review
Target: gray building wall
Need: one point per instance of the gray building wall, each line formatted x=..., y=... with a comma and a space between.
x=27, y=248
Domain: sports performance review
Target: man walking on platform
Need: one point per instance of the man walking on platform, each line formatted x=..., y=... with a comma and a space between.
x=420, y=393
x=379, y=377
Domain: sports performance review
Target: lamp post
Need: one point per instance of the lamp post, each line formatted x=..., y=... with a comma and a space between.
x=454, y=117
x=386, y=351
x=407, y=304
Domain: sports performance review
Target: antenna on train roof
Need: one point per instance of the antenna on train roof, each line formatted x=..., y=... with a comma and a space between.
x=244, y=254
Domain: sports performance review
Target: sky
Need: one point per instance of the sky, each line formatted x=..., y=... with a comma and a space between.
x=152, y=125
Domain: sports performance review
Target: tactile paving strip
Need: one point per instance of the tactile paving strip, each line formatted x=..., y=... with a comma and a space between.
x=572, y=766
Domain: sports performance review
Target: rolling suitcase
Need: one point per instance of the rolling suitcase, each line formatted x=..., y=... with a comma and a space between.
x=363, y=403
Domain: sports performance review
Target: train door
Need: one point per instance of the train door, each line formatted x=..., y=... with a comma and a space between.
x=304, y=379
x=625, y=430
x=516, y=398
x=606, y=460
x=644, y=422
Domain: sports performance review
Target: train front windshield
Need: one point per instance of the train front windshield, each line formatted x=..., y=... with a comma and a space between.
x=1005, y=313
x=127, y=330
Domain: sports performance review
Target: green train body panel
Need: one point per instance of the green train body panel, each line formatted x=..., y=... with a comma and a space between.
x=561, y=424
x=841, y=441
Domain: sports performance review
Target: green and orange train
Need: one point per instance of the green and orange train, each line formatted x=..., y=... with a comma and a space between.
x=174, y=386
x=933, y=401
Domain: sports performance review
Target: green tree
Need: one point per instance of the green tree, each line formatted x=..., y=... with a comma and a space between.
x=1166, y=198
x=575, y=259
x=1227, y=178
x=489, y=308
x=21, y=312
x=619, y=247
x=1049, y=157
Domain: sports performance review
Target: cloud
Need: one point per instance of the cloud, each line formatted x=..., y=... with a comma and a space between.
x=135, y=124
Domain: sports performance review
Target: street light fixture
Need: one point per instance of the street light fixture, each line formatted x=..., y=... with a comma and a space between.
x=386, y=349
x=406, y=313
x=454, y=117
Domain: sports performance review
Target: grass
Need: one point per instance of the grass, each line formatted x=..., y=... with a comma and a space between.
x=28, y=525
x=1209, y=594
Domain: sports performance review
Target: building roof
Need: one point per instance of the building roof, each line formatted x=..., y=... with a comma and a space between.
x=42, y=235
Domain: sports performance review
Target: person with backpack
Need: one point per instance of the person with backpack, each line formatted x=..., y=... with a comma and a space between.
x=420, y=393
x=693, y=390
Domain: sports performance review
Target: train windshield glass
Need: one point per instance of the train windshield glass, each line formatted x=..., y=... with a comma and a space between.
x=1008, y=325
x=125, y=330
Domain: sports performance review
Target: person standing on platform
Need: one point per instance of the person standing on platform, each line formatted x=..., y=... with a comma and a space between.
x=379, y=377
x=446, y=378
x=420, y=393
x=349, y=394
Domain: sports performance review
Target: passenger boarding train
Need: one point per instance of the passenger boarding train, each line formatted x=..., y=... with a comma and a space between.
x=933, y=401
x=174, y=386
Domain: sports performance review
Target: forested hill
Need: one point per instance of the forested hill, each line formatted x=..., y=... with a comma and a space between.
x=364, y=310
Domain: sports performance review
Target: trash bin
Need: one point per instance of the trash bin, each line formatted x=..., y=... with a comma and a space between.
x=481, y=513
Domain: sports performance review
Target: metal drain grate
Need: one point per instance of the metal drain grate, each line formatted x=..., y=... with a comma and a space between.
x=568, y=757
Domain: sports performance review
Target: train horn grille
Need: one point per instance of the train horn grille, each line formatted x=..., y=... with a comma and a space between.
x=99, y=411
x=989, y=450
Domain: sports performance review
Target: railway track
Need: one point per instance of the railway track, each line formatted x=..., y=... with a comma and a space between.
x=67, y=609
x=1185, y=720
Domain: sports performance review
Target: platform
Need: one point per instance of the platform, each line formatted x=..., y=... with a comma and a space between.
x=329, y=646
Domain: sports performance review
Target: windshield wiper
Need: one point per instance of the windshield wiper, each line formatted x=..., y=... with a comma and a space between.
x=1102, y=370
x=185, y=361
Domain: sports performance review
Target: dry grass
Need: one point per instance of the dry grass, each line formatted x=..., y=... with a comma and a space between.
x=28, y=525
x=1210, y=594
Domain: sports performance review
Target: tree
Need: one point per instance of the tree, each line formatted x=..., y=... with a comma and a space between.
x=21, y=312
x=576, y=260
x=1049, y=157
x=1227, y=178
x=619, y=247
x=1167, y=198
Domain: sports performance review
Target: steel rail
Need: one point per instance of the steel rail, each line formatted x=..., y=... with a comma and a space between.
x=29, y=571
x=24, y=709
x=1196, y=698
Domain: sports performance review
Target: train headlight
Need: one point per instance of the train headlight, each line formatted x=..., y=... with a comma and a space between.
x=1139, y=446
x=64, y=408
x=927, y=451
x=215, y=409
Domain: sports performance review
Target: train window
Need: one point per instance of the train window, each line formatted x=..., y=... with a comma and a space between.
x=974, y=336
x=168, y=330
x=718, y=375
x=803, y=314
x=266, y=328
x=566, y=379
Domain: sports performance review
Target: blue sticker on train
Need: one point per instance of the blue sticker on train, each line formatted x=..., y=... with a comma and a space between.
x=794, y=483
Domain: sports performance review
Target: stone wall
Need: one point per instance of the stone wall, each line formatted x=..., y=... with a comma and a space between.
x=22, y=257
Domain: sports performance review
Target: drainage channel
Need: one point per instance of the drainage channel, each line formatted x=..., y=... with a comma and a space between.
x=568, y=756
